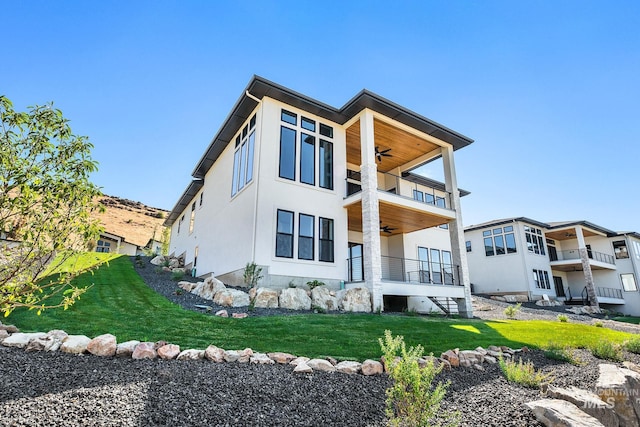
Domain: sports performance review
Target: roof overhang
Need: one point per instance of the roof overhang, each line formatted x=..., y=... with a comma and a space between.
x=183, y=202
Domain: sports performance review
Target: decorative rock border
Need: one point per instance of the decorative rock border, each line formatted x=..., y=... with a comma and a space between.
x=106, y=345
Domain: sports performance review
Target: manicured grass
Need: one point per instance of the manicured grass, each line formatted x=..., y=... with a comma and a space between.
x=627, y=319
x=120, y=303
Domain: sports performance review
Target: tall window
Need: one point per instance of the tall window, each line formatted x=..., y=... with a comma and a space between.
x=307, y=159
x=306, y=236
x=499, y=241
x=468, y=245
x=243, y=157
x=326, y=163
x=326, y=240
x=314, y=161
x=447, y=267
x=423, y=256
x=287, y=153
x=436, y=267
x=192, y=218
x=535, y=242
x=284, y=234
x=541, y=279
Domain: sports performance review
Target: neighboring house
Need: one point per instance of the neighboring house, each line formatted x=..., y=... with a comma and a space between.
x=112, y=243
x=574, y=261
x=309, y=191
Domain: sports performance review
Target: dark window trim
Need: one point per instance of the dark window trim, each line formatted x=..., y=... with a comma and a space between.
x=321, y=240
x=290, y=235
x=312, y=237
x=295, y=154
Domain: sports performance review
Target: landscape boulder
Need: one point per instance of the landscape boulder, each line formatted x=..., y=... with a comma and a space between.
x=231, y=298
x=356, y=300
x=3, y=334
x=371, y=367
x=557, y=412
x=302, y=368
x=209, y=288
x=349, y=367
x=282, y=358
x=324, y=298
x=588, y=402
x=125, y=349
x=168, y=351
x=215, y=354
x=616, y=386
x=75, y=344
x=321, y=365
x=187, y=286
x=144, y=350
x=12, y=329
x=299, y=360
x=295, y=299
x=261, y=359
x=265, y=298
x=103, y=345
x=158, y=260
x=21, y=340
x=191, y=354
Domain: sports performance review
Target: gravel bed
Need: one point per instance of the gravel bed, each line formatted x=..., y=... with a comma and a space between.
x=55, y=389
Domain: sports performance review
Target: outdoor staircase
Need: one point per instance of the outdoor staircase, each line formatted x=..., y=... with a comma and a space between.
x=446, y=304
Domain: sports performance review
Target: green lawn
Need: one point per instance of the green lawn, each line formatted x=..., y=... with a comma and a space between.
x=120, y=303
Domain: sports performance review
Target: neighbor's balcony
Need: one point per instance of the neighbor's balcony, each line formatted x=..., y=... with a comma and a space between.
x=405, y=270
x=569, y=260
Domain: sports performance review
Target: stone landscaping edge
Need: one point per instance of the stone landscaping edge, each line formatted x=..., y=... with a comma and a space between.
x=106, y=345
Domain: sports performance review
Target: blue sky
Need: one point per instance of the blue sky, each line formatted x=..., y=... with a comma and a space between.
x=548, y=90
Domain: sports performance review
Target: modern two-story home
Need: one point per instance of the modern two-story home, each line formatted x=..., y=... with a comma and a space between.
x=573, y=261
x=309, y=191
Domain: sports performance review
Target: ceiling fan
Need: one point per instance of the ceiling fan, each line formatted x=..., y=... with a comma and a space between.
x=384, y=153
x=387, y=229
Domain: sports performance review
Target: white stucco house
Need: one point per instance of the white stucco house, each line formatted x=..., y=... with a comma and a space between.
x=309, y=191
x=572, y=261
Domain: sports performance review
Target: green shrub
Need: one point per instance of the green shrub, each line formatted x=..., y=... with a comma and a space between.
x=598, y=324
x=607, y=350
x=523, y=373
x=512, y=310
x=633, y=345
x=177, y=275
x=314, y=284
x=412, y=400
x=563, y=353
x=563, y=318
x=252, y=274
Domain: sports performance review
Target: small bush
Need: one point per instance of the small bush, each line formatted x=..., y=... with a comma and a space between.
x=252, y=274
x=512, y=310
x=177, y=275
x=318, y=309
x=633, y=345
x=563, y=318
x=607, y=350
x=291, y=284
x=598, y=324
x=563, y=353
x=411, y=312
x=179, y=291
x=524, y=373
x=314, y=284
x=412, y=400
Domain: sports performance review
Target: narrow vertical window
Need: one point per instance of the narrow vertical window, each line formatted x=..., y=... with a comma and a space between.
x=192, y=218
x=201, y=197
x=326, y=240
x=436, y=267
x=236, y=173
x=488, y=246
x=306, y=236
x=243, y=165
x=423, y=257
x=511, y=243
x=468, y=245
x=251, y=144
x=418, y=195
x=287, y=153
x=441, y=202
x=326, y=164
x=195, y=257
x=428, y=198
x=307, y=159
x=284, y=234
x=628, y=282
x=499, y=244
x=447, y=267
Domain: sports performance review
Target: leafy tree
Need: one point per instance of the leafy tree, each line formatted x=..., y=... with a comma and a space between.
x=46, y=202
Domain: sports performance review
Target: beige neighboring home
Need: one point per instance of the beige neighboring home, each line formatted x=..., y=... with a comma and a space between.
x=313, y=192
x=130, y=228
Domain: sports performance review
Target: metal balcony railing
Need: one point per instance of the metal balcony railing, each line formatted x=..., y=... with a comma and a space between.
x=570, y=254
x=609, y=292
x=408, y=271
x=401, y=187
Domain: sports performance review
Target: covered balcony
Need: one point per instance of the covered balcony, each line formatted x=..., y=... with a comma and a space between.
x=569, y=260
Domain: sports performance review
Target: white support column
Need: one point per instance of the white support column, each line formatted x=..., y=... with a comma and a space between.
x=456, y=232
x=370, y=211
x=586, y=268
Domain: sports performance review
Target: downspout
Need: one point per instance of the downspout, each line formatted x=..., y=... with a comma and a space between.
x=257, y=178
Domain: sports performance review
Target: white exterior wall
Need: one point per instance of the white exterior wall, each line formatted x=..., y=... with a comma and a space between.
x=223, y=227
x=277, y=193
x=483, y=269
x=630, y=265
